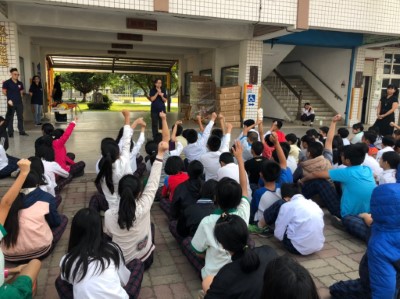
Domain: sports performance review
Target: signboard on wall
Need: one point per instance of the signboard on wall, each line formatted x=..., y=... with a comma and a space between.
x=250, y=100
x=3, y=47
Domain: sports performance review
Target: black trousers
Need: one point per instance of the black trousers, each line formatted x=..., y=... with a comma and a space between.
x=305, y=117
x=19, y=109
x=155, y=123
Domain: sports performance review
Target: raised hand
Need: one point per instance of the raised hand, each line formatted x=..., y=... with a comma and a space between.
x=163, y=147
x=337, y=118
x=237, y=150
x=273, y=138
x=163, y=115
x=24, y=166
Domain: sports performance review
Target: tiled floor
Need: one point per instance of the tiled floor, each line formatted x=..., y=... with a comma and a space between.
x=171, y=276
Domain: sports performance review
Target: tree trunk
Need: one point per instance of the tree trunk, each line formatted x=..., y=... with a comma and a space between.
x=84, y=98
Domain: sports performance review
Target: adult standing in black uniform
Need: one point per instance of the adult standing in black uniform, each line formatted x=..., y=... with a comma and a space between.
x=57, y=98
x=158, y=97
x=13, y=89
x=388, y=104
x=36, y=93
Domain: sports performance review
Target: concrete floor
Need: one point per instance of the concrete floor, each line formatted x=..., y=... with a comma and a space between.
x=92, y=127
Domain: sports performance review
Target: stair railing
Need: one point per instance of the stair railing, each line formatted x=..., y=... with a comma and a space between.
x=278, y=82
x=315, y=76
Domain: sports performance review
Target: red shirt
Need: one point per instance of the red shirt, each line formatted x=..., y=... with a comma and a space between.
x=60, y=151
x=172, y=182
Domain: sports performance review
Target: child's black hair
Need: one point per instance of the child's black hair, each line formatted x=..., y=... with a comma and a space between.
x=257, y=147
x=174, y=165
x=191, y=135
x=370, y=137
x=179, y=129
x=392, y=158
x=232, y=233
x=47, y=128
x=229, y=194
x=290, y=190
x=252, y=136
x=324, y=129
x=358, y=126
x=217, y=132
x=249, y=122
x=119, y=136
x=355, y=153
x=151, y=149
x=285, y=278
x=57, y=133
x=292, y=139
x=209, y=188
x=195, y=170
x=313, y=133
x=307, y=139
x=279, y=123
x=226, y=158
x=388, y=140
x=270, y=171
x=286, y=149
x=268, y=141
x=213, y=143
x=343, y=132
x=396, y=132
x=315, y=149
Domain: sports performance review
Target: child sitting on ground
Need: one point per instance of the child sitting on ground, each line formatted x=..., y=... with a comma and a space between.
x=8, y=164
x=174, y=168
x=24, y=281
x=232, y=197
x=197, y=145
x=357, y=130
x=60, y=138
x=387, y=146
x=344, y=133
x=294, y=148
x=134, y=147
x=253, y=166
x=369, y=139
x=389, y=163
x=300, y=223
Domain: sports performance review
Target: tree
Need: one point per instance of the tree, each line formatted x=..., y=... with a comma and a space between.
x=86, y=82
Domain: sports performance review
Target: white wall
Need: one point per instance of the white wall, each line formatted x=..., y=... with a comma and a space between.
x=330, y=64
x=271, y=106
x=272, y=57
x=24, y=43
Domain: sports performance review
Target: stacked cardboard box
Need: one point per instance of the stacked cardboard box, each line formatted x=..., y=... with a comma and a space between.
x=228, y=103
x=202, y=96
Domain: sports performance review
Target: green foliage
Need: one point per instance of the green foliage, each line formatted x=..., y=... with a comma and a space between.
x=86, y=82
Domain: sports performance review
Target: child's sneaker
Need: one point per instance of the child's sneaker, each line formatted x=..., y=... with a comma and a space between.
x=15, y=173
x=264, y=232
x=254, y=229
x=267, y=232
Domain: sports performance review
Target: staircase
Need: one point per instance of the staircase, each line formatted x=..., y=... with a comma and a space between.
x=289, y=102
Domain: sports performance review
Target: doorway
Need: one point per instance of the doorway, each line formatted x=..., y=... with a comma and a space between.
x=365, y=98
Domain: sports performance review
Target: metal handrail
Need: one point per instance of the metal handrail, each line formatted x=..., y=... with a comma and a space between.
x=316, y=76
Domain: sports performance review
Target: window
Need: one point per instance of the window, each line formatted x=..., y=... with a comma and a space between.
x=230, y=75
x=391, y=71
x=206, y=73
x=188, y=79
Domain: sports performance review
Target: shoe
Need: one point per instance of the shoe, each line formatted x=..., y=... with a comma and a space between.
x=303, y=124
x=23, y=134
x=254, y=229
x=337, y=223
x=264, y=232
x=39, y=124
x=267, y=232
x=11, y=135
x=311, y=124
x=15, y=173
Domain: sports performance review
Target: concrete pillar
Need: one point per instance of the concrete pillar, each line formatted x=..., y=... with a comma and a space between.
x=357, y=93
x=9, y=57
x=251, y=54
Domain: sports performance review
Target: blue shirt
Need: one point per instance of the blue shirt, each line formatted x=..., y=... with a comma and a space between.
x=357, y=186
x=14, y=91
x=286, y=176
x=158, y=104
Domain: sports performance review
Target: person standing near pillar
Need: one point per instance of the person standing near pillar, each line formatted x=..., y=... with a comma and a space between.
x=57, y=94
x=36, y=93
x=158, y=98
x=13, y=89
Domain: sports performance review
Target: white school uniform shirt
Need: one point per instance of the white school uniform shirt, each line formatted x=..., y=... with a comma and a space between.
x=357, y=138
x=194, y=151
x=308, y=112
x=291, y=163
x=382, y=151
x=135, y=150
x=121, y=167
x=302, y=220
x=231, y=170
x=267, y=200
x=373, y=164
x=3, y=157
x=107, y=284
x=345, y=141
x=210, y=160
x=136, y=243
x=388, y=176
x=51, y=169
x=204, y=241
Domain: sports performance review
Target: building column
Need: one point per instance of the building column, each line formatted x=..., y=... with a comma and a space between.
x=357, y=92
x=250, y=56
x=9, y=57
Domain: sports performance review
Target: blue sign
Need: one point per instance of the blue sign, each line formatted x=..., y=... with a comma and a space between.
x=251, y=99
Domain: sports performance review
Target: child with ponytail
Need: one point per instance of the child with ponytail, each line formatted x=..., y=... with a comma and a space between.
x=113, y=165
x=245, y=274
x=129, y=224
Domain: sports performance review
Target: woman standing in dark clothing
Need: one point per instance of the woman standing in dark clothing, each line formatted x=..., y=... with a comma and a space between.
x=36, y=93
x=386, y=108
x=158, y=97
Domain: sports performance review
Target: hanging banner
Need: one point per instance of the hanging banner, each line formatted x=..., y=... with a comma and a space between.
x=250, y=100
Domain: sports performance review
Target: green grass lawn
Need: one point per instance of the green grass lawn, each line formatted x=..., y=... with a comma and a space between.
x=116, y=107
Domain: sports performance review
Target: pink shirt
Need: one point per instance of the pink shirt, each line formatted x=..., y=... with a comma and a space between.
x=60, y=151
x=34, y=232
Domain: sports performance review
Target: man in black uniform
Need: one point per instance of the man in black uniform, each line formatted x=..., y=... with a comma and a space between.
x=13, y=89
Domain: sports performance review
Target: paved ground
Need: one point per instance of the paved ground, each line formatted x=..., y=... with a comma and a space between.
x=171, y=276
